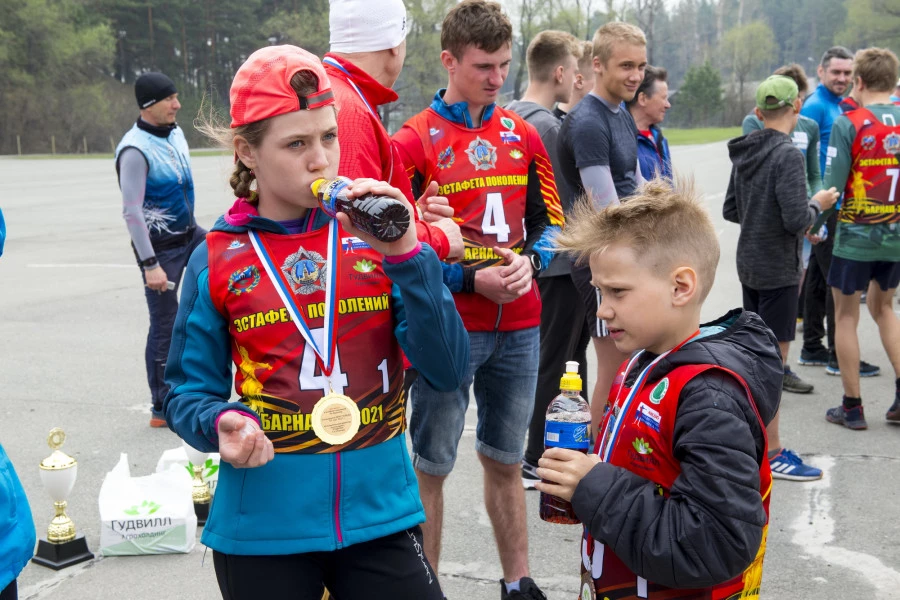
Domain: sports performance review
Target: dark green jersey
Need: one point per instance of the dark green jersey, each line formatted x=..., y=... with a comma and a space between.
x=862, y=241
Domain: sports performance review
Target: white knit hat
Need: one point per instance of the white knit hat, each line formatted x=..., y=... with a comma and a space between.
x=366, y=25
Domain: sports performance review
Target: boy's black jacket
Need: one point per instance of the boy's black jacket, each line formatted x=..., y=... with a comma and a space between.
x=767, y=196
x=709, y=528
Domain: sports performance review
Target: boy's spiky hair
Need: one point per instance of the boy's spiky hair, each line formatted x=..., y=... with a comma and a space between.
x=665, y=223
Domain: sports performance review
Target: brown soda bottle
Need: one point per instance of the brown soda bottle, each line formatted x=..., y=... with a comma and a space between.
x=568, y=425
x=382, y=217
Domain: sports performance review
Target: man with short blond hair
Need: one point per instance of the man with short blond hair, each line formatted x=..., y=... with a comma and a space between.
x=599, y=157
x=552, y=62
x=584, y=81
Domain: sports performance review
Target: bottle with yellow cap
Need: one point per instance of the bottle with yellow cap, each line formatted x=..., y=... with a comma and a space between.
x=568, y=425
x=382, y=217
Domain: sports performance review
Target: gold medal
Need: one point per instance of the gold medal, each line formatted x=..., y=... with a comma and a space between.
x=587, y=588
x=335, y=419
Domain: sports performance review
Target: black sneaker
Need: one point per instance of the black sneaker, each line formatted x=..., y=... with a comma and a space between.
x=893, y=413
x=529, y=475
x=865, y=369
x=793, y=383
x=528, y=590
x=816, y=358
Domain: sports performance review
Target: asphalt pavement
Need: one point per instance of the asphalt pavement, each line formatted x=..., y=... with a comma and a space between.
x=72, y=327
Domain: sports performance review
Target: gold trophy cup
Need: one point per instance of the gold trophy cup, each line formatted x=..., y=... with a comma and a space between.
x=63, y=546
x=200, y=492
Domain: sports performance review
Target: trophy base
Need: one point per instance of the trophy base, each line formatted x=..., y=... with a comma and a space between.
x=202, y=512
x=60, y=556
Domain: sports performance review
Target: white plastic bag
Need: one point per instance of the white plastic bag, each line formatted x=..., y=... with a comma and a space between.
x=146, y=515
x=177, y=456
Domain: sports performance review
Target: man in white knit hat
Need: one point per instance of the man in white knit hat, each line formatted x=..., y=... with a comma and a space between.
x=368, y=46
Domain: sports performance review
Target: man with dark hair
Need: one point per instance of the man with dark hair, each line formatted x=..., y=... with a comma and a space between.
x=862, y=155
x=823, y=106
x=154, y=168
x=492, y=166
x=552, y=59
x=648, y=108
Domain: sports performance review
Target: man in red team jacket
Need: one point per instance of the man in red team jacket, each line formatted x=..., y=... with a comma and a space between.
x=492, y=166
x=368, y=46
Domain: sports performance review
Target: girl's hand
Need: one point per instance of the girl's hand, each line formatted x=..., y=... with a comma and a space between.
x=406, y=243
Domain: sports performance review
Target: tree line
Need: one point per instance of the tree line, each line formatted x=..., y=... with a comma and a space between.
x=67, y=67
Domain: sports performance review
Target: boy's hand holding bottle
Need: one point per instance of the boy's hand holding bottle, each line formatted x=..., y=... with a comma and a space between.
x=826, y=198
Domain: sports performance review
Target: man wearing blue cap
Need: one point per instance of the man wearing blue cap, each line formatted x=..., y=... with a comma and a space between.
x=154, y=168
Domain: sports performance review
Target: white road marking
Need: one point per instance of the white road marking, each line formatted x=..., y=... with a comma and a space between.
x=814, y=532
x=80, y=266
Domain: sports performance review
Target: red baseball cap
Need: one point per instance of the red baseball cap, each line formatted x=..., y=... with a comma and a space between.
x=262, y=86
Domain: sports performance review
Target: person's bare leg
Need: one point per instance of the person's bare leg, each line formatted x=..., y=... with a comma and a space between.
x=609, y=359
x=881, y=308
x=846, y=342
x=504, y=498
x=431, y=490
x=784, y=347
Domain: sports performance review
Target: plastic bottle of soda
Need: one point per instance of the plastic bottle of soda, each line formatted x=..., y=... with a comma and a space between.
x=380, y=216
x=568, y=425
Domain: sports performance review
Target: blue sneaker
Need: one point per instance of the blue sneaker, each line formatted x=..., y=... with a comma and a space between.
x=851, y=418
x=787, y=465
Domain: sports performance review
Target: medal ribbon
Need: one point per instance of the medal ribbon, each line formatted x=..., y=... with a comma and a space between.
x=608, y=444
x=325, y=354
x=330, y=61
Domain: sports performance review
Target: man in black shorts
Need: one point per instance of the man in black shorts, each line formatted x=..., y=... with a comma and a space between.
x=598, y=156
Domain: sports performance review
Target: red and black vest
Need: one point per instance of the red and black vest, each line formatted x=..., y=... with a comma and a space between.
x=276, y=371
x=637, y=431
x=483, y=172
x=871, y=190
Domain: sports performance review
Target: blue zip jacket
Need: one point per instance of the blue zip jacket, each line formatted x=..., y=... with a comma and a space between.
x=307, y=502
x=169, y=195
x=822, y=106
x=651, y=160
x=17, y=536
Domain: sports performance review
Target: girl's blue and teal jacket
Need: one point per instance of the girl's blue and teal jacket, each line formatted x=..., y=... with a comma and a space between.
x=307, y=502
x=17, y=535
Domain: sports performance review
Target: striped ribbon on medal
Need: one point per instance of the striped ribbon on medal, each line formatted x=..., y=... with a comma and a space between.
x=606, y=447
x=325, y=354
x=330, y=61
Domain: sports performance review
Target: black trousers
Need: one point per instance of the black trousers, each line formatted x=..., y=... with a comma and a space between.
x=818, y=307
x=564, y=336
x=10, y=592
x=387, y=568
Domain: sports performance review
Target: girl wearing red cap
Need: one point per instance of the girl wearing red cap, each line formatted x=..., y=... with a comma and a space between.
x=316, y=487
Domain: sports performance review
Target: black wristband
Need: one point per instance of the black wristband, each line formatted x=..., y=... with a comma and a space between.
x=468, y=280
x=149, y=263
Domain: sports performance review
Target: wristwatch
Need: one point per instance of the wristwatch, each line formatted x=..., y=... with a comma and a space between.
x=149, y=263
x=536, y=263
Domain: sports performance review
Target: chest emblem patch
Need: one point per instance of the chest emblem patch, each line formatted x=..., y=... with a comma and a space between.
x=243, y=280
x=892, y=143
x=446, y=158
x=868, y=142
x=659, y=392
x=305, y=271
x=482, y=154
x=508, y=137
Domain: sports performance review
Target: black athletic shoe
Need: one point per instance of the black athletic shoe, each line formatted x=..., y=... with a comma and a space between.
x=865, y=369
x=529, y=475
x=528, y=590
x=816, y=358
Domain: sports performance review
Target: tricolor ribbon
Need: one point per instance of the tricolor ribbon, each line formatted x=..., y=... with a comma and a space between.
x=325, y=353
